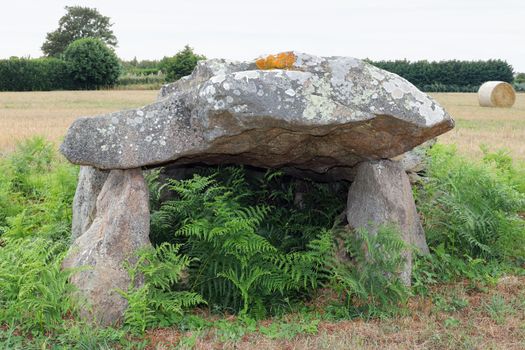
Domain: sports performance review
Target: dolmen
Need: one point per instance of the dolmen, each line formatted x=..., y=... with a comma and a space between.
x=325, y=118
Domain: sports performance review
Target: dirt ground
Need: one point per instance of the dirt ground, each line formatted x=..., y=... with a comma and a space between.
x=452, y=317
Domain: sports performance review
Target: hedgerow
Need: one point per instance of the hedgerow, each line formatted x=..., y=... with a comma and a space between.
x=92, y=64
x=41, y=74
x=449, y=76
x=87, y=64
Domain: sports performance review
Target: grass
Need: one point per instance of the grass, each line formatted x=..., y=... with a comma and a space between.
x=496, y=127
x=493, y=319
x=24, y=114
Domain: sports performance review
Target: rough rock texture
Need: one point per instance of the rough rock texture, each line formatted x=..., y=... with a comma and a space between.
x=120, y=228
x=90, y=182
x=381, y=194
x=414, y=162
x=293, y=110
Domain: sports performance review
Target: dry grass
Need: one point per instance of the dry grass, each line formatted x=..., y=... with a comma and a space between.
x=495, y=127
x=490, y=319
x=23, y=114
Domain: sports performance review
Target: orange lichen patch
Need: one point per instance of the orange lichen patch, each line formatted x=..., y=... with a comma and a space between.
x=283, y=60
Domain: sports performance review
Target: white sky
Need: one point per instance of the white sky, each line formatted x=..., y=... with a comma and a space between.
x=237, y=29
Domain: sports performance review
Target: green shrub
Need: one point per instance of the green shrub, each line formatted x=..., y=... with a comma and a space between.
x=40, y=191
x=151, y=81
x=180, y=65
x=370, y=282
x=36, y=192
x=35, y=293
x=471, y=217
x=449, y=76
x=472, y=209
x=41, y=74
x=134, y=66
x=519, y=87
x=520, y=78
x=92, y=64
x=156, y=303
x=136, y=71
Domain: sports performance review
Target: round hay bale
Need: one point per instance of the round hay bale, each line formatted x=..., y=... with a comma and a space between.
x=496, y=94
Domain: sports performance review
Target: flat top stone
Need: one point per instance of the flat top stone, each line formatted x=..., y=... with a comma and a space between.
x=287, y=110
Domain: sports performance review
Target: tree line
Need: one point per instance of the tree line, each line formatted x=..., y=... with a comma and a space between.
x=451, y=75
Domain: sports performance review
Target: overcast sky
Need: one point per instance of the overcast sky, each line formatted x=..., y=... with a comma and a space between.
x=243, y=29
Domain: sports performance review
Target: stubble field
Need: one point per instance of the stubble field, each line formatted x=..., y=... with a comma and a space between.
x=498, y=128
x=24, y=114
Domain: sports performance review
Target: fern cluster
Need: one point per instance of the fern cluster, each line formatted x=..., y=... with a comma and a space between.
x=370, y=282
x=228, y=231
x=157, y=302
x=34, y=291
x=36, y=192
x=471, y=214
x=241, y=241
x=252, y=247
x=472, y=209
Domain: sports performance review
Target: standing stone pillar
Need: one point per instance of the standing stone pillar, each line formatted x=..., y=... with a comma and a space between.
x=381, y=194
x=120, y=227
x=90, y=182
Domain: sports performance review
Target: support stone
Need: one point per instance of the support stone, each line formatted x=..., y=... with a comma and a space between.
x=90, y=182
x=119, y=229
x=381, y=194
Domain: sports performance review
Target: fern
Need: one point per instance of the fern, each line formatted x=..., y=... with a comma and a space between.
x=371, y=282
x=36, y=192
x=229, y=227
x=34, y=292
x=156, y=303
x=472, y=209
x=248, y=242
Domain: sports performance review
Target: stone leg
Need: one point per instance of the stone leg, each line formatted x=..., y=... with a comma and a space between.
x=381, y=194
x=119, y=229
x=90, y=182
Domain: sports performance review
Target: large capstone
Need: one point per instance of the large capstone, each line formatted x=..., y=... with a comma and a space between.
x=296, y=111
x=119, y=229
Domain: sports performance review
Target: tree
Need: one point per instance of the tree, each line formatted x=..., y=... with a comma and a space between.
x=78, y=22
x=92, y=63
x=181, y=64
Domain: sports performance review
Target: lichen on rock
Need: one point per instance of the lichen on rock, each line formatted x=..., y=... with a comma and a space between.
x=290, y=110
x=283, y=60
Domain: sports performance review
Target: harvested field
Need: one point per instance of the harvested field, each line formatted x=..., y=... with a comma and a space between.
x=23, y=114
x=495, y=127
